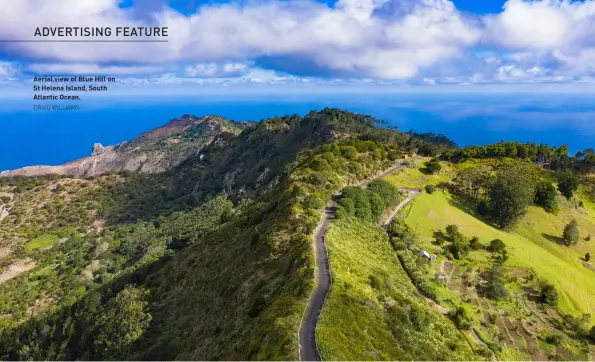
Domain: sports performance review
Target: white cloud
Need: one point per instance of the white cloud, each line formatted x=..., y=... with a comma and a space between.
x=91, y=69
x=555, y=34
x=211, y=70
x=8, y=70
x=359, y=37
x=421, y=41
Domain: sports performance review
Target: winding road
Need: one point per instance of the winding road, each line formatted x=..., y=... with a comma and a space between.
x=308, y=351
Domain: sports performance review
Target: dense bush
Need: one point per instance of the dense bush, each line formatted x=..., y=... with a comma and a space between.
x=462, y=318
x=571, y=233
x=511, y=193
x=495, y=288
x=568, y=183
x=545, y=196
x=433, y=167
x=548, y=295
x=368, y=204
x=417, y=274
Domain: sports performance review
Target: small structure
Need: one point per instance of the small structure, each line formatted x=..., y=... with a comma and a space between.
x=441, y=278
x=404, y=157
x=425, y=254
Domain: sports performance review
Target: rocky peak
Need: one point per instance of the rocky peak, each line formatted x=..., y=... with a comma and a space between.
x=98, y=149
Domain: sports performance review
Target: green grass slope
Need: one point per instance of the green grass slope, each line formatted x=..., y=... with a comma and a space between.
x=373, y=312
x=559, y=265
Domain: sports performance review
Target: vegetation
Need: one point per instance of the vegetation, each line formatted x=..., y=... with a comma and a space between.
x=510, y=195
x=545, y=196
x=368, y=204
x=433, y=167
x=209, y=260
x=571, y=233
x=568, y=183
x=373, y=302
x=212, y=259
x=548, y=295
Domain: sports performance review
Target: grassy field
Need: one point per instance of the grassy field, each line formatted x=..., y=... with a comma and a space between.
x=528, y=246
x=414, y=178
x=40, y=242
x=373, y=312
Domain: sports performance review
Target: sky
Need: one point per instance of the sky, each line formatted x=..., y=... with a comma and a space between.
x=515, y=44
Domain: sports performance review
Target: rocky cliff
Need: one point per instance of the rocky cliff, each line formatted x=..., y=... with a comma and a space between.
x=153, y=151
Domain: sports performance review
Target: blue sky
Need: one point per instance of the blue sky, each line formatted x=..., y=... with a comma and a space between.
x=309, y=43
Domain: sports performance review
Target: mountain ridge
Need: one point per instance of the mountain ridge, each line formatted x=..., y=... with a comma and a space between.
x=153, y=151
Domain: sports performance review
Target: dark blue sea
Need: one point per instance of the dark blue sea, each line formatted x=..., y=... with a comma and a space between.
x=30, y=137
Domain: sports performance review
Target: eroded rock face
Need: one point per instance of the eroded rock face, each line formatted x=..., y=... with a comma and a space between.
x=153, y=151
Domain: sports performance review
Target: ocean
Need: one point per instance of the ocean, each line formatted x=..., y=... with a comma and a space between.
x=54, y=137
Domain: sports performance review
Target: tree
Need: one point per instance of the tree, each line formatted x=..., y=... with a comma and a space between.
x=474, y=243
x=433, y=167
x=548, y=295
x=387, y=191
x=497, y=246
x=545, y=196
x=568, y=183
x=122, y=322
x=571, y=233
x=463, y=319
x=495, y=287
x=587, y=257
x=510, y=195
x=430, y=189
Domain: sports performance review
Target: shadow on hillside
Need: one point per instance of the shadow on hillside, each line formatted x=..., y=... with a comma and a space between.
x=555, y=239
x=66, y=329
x=469, y=207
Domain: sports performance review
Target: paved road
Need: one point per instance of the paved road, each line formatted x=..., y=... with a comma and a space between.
x=308, y=349
x=307, y=343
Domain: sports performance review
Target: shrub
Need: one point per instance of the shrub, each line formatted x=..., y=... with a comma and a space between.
x=571, y=233
x=387, y=191
x=430, y=189
x=554, y=338
x=433, y=167
x=588, y=238
x=474, y=243
x=545, y=196
x=568, y=183
x=548, y=295
x=495, y=287
x=497, y=246
x=483, y=208
x=462, y=318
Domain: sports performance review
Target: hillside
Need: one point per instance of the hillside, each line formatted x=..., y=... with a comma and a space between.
x=192, y=278
x=536, y=255
x=210, y=256
x=153, y=151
